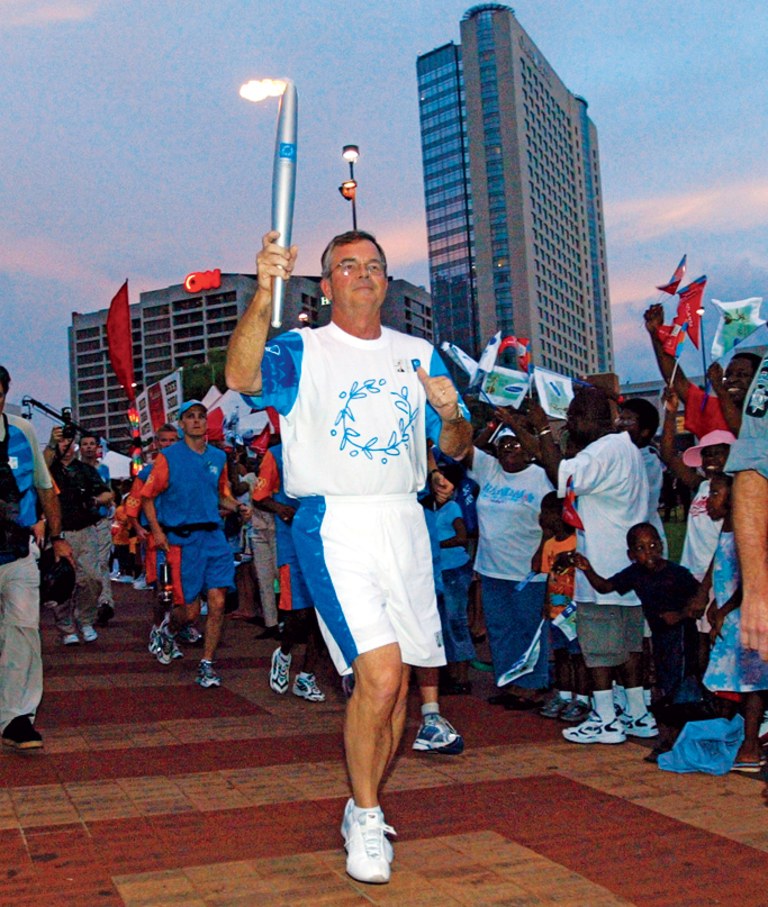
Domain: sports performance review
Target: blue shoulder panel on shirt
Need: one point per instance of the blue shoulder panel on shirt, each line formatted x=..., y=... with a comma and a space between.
x=280, y=373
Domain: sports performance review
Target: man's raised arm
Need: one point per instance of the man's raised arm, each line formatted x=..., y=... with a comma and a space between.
x=246, y=346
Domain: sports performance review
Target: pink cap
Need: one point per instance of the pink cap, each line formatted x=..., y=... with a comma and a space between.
x=692, y=456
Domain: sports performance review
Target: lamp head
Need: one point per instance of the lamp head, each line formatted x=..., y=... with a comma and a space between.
x=350, y=153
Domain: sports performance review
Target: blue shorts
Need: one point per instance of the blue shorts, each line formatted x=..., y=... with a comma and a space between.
x=206, y=563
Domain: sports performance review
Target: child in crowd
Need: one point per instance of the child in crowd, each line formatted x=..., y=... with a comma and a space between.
x=570, y=700
x=456, y=574
x=694, y=468
x=733, y=669
x=666, y=592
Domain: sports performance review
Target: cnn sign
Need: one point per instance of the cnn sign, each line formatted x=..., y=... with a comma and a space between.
x=198, y=281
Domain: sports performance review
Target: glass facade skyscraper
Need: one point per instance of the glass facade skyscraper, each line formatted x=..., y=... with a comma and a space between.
x=513, y=198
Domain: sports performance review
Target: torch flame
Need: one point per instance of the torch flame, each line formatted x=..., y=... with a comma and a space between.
x=259, y=89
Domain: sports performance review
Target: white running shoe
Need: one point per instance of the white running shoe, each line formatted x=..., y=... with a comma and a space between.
x=305, y=686
x=346, y=830
x=366, y=852
x=279, y=673
x=594, y=730
x=644, y=726
x=71, y=639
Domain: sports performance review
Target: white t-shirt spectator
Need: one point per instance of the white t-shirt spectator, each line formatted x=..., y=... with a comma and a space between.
x=508, y=509
x=611, y=486
x=701, y=534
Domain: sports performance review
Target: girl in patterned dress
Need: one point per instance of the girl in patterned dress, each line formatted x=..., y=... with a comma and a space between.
x=733, y=669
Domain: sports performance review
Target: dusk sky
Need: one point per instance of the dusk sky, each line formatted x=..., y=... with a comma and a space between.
x=127, y=151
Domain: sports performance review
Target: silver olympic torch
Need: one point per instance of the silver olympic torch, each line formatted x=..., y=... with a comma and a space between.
x=284, y=168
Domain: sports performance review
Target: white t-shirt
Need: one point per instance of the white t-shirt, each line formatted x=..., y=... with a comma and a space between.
x=701, y=534
x=354, y=417
x=611, y=486
x=508, y=508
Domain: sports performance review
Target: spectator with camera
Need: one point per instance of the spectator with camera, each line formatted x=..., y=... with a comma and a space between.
x=25, y=483
x=82, y=493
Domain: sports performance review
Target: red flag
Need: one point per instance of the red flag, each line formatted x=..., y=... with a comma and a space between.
x=674, y=281
x=690, y=307
x=570, y=513
x=120, y=341
x=672, y=337
x=522, y=347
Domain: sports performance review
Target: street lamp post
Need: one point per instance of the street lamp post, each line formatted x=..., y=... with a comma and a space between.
x=350, y=153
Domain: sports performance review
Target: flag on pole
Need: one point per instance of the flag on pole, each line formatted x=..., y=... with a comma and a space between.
x=689, y=308
x=120, y=342
x=570, y=511
x=672, y=337
x=522, y=347
x=738, y=321
x=674, y=281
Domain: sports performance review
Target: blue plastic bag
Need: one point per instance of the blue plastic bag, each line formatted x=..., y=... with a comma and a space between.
x=705, y=746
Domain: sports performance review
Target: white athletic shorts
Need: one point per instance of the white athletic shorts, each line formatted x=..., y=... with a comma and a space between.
x=368, y=564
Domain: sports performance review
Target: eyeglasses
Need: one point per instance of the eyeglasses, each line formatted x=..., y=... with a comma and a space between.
x=374, y=268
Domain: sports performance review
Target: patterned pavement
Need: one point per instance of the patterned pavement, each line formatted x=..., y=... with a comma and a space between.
x=153, y=792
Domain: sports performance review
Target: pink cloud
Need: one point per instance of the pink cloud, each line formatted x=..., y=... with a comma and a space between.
x=17, y=13
x=720, y=209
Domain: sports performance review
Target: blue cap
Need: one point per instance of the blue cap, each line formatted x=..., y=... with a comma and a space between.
x=189, y=404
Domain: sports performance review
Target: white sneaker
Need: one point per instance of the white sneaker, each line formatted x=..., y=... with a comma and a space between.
x=140, y=583
x=305, y=686
x=644, y=726
x=71, y=639
x=279, y=672
x=594, y=730
x=346, y=830
x=366, y=853
x=88, y=633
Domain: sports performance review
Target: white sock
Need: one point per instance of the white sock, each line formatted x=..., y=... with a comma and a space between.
x=646, y=697
x=582, y=698
x=620, y=697
x=304, y=675
x=358, y=811
x=430, y=708
x=635, y=702
x=604, y=705
x=566, y=695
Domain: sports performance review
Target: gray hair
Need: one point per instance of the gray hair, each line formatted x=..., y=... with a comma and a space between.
x=344, y=239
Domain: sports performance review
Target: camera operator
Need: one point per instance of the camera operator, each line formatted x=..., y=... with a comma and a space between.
x=24, y=482
x=82, y=493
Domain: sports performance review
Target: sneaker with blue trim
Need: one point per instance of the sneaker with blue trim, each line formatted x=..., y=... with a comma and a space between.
x=595, y=730
x=305, y=686
x=279, y=672
x=154, y=640
x=167, y=647
x=644, y=726
x=437, y=735
x=206, y=676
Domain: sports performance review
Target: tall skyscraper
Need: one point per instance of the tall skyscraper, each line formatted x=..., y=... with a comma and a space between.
x=513, y=198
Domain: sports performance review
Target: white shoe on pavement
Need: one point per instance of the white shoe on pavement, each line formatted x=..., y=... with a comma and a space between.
x=644, y=726
x=88, y=633
x=346, y=829
x=595, y=730
x=366, y=853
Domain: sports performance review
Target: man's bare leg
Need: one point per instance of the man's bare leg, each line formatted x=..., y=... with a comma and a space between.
x=215, y=622
x=375, y=720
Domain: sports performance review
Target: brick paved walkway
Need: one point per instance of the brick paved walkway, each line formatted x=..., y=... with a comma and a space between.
x=153, y=792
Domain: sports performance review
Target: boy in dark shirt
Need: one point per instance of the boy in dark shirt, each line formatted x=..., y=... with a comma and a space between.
x=665, y=591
